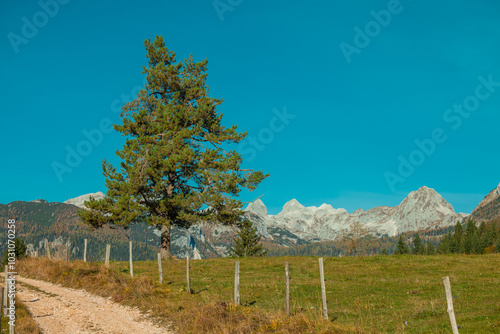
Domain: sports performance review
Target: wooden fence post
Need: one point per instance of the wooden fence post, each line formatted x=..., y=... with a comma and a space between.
x=160, y=268
x=12, y=329
x=287, y=274
x=449, y=299
x=187, y=275
x=131, y=263
x=323, y=289
x=85, y=250
x=5, y=292
x=67, y=253
x=108, y=252
x=237, y=283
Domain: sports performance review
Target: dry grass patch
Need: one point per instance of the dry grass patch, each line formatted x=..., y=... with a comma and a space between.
x=24, y=321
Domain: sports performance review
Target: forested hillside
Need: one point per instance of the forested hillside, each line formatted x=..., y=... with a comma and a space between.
x=59, y=225
x=487, y=212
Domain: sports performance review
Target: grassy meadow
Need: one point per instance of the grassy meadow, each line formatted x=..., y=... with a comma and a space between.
x=377, y=294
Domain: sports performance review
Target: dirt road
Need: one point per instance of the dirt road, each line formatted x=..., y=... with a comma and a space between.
x=60, y=310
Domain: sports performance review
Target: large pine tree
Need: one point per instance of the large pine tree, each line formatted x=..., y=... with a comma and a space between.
x=175, y=167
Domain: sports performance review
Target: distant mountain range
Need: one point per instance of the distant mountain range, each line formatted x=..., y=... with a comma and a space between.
x=295, y=224
x=58, y=223
x=422, y=209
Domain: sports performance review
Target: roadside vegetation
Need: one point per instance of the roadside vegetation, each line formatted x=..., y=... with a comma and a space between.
x=375, y=294
x=24, y=321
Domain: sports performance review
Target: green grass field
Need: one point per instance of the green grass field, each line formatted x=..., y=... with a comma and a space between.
x=379, y=294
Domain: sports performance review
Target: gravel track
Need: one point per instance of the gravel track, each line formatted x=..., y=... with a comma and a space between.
x=61, y=310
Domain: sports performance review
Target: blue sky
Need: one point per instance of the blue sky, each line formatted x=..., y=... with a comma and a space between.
x=352, y=103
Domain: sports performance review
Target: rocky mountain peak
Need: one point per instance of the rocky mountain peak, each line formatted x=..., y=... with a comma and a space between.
x=424, y=196
x=78, y=201
x=39, y=201
x=291, y=206
x=423, y=192
x=422, y=209
x=326, y=207
x=257, y=207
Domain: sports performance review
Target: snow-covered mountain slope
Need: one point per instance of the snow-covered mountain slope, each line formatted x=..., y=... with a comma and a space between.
x=78, y=201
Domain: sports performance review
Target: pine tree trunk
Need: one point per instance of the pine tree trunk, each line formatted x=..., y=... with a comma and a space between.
x=165, y=242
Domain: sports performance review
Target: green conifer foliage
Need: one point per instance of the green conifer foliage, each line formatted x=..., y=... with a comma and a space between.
x=491, y=235
x=470, y=230
x=19, y=250
x=444, y=246
x=482, y=228
x=247, y=242
x=402, y=247
x=461, y=248
x=455, y=243
x=477, y=247
x=175, y=168
x=421, y=249
x=416, y=244
x=454, y=247
x=430, y=249
x=459, y=231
